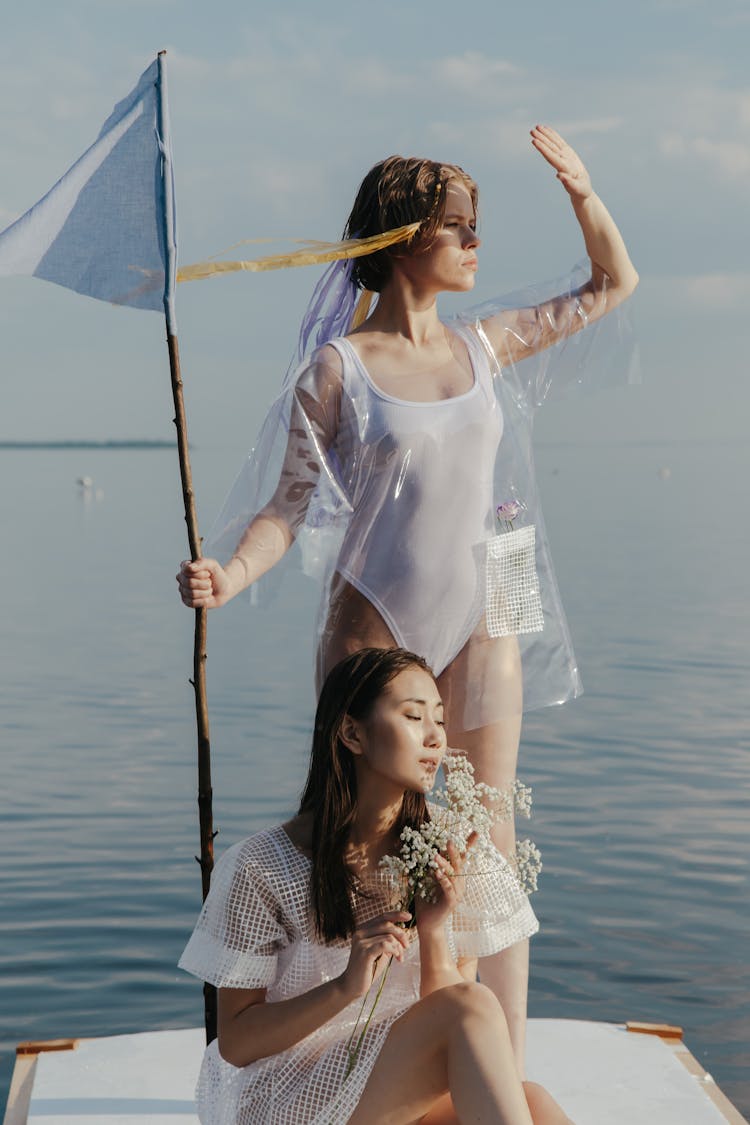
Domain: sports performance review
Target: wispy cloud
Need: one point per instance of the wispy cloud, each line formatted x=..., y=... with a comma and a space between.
x=722, y=157
x=710, y=292
x=475, y=74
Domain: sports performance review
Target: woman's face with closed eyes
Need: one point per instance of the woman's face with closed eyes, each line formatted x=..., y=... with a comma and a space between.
x=401, y=742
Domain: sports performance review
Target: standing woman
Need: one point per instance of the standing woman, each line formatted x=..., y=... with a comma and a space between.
x=394, y=443
x=301, y=923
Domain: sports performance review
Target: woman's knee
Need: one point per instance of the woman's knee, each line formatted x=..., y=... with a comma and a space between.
x=470, y=1000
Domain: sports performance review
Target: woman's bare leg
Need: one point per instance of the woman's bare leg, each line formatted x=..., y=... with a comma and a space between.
x=492, y=666
x=352, y=623
x=454, y=1040
x=492, y=751
x=543, y=1106
x=544, y=1109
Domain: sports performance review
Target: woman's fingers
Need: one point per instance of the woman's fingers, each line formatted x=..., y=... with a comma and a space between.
x=571, y=171
x=447, y=879
x=384, y=945
x=552, y=146
x=371, y=953
x=195, y=587
x=201, y=582
x=551, y=153
x=383, y=935
x=201, y=568
x=386, y=925
x=549, y=134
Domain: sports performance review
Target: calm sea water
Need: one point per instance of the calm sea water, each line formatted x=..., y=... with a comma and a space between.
x=640, y=787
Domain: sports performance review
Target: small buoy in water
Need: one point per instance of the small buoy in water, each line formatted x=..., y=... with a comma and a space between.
x=664, y=473
x=87, y=491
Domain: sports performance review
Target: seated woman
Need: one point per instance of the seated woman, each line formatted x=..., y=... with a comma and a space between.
x=302, y=920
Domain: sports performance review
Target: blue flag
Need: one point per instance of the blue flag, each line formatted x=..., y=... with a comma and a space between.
x=107, y=228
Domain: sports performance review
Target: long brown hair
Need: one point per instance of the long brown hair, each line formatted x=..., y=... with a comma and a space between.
x=397, y=191
x=330, y=793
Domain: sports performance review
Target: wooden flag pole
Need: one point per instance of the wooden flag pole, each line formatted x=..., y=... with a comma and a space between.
x=205, y=792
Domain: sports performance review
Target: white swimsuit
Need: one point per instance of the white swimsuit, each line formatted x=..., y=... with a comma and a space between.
x=398, y=496
x=419, y=478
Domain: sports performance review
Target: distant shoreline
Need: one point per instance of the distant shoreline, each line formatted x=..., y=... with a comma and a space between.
x=127, y=444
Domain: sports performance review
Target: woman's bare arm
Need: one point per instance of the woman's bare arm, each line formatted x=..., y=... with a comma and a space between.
x=437, y=966
x=249, y=1028
x=312, y=429
x=518, y=333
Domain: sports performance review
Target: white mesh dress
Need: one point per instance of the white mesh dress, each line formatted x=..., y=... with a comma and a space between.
x=255, y=931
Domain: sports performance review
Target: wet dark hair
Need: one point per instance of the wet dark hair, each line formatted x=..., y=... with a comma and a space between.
x=330, y=794
x=395, y=192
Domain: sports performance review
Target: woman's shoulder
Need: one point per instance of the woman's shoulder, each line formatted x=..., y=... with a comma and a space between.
x=323, y=371
x=264, y=850
x=330, y=356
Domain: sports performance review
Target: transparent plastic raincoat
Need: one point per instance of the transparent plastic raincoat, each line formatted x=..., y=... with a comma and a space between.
x=398, y=500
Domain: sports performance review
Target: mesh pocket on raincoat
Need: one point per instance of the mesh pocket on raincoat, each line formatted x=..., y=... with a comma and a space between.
x=513, y=602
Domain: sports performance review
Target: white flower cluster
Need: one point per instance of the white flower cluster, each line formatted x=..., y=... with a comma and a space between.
x=417, y=861
x=466, y=808
x=526, y=862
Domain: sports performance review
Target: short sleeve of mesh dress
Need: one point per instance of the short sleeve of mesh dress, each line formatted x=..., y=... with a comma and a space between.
x=494, y=912
x=240, y=931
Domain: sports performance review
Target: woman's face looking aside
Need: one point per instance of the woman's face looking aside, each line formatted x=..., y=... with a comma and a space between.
x=401, y=742
x=450, y=262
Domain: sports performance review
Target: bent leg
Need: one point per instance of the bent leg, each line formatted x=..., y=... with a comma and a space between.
x=544, y=1108
x=454, y=1040
x=493, y=751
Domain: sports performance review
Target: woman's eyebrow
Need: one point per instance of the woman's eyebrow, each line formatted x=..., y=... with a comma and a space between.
x=412, y=699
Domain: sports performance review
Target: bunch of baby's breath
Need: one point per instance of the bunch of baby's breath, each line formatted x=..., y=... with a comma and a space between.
x=526, y=862
x=465, y=808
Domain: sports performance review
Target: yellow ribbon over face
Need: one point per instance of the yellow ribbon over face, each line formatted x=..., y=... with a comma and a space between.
x=314, y=254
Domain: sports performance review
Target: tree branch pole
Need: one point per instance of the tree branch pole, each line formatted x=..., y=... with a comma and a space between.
x=205, y=791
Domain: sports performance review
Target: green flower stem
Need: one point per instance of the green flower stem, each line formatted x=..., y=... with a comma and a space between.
x=353, y=1052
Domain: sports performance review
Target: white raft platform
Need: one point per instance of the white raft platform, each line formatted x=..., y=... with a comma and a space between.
x=603, y=1074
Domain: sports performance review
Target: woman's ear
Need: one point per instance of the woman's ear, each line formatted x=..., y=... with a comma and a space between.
x=349, y=735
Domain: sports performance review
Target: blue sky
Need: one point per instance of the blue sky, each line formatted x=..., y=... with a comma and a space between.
x=277, y=112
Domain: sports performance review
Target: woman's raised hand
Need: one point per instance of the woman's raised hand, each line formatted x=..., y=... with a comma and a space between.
x=373, y=944
x=571, y=171
x=203, y=584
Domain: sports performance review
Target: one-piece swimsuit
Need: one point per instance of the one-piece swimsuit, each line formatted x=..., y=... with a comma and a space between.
x=419, y=477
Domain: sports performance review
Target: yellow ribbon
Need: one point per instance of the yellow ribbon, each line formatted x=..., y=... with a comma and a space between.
x=314, y=254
